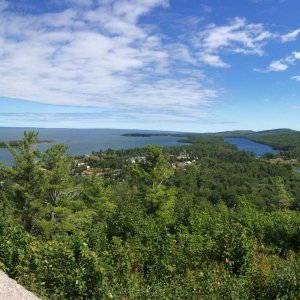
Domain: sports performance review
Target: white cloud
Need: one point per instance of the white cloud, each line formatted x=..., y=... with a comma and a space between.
x=282, y=64
x=296, y=55
x=213, y=60
x=100, y=55
x=100, y=58
x=236, y=37
x=291, y=36
x=297, y=78
x=277, y=66
x=240, y=37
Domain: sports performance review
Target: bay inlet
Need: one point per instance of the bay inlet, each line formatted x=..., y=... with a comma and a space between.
x=85, y=141
x=244, y=144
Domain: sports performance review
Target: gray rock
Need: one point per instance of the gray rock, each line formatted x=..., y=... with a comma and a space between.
x=11, y=290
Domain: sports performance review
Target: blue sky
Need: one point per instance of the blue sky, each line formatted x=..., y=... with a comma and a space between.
x=186, y=65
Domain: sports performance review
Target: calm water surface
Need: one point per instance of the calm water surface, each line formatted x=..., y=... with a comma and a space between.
x=247, y=145
x=84, y=141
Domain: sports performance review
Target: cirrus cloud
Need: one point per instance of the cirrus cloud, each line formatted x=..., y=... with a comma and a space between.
x=281, y=64
x=297, y=78
x=101, y=57
x=237, y=37
x=100, y=54
x=291, y=36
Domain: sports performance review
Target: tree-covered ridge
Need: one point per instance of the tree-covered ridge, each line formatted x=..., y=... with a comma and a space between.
x=287, y=140
x=224, y=226
x=282, y=139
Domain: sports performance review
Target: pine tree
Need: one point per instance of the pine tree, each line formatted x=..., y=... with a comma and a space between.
x=26, y=176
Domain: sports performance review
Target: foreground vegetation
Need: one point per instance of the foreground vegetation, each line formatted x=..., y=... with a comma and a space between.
x=225, y=226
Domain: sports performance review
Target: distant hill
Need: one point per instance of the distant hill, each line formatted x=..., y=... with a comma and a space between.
x=275, y=131
x=234, y=133
x=244, y=133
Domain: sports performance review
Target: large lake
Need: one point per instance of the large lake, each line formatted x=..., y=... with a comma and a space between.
x=85, y=141
x=247, y=145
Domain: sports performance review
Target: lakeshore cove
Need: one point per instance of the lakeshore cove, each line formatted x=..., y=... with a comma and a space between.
x=245, y=144
x=86, y=141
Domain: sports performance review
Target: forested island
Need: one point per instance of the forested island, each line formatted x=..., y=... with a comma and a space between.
x=197, y=221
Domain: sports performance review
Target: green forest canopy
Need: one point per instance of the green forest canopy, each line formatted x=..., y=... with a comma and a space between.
x=226, y=226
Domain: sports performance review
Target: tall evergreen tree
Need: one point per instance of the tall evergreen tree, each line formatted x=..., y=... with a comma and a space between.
x=26, y=176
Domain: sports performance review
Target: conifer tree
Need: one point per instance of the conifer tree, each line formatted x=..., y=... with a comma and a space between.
x=26, y=176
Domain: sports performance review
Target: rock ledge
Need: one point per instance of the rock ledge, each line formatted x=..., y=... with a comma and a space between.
x=11, y=290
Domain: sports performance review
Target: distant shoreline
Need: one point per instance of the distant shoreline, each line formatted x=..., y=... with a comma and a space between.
x=152, y=134
x=184, y=138
x=15, y=144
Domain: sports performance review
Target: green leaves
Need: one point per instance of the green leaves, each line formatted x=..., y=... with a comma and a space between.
x=98, y=198
x=283, y=199
x=225, y=227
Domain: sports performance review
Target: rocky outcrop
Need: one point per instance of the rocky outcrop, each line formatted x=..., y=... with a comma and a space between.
x=11, y=290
